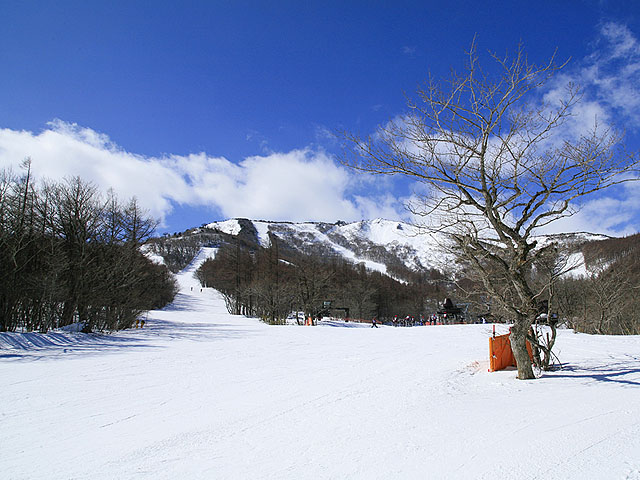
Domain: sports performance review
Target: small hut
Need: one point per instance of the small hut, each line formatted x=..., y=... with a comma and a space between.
x=449, y=313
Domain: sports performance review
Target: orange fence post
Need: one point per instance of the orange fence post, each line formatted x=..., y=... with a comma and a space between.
x=500, y=353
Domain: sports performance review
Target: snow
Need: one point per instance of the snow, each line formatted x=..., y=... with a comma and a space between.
x=380, y=231
x=427, y=247
x=375, y=231
x=198, y=393
x=154, y=257
x=576, y=267
x=262, y=228
x=348, y=254
x=230, y=227
x=310, y=230
x=414, y=246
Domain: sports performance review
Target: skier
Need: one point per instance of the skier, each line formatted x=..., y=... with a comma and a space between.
x=374, y=322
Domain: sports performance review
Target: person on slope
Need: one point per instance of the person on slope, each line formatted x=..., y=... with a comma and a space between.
x=374, y=322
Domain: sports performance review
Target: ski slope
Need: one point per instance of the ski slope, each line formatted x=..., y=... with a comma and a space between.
x=202, y=394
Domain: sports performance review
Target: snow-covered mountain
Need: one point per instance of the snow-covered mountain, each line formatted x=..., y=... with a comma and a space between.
x=381, y=245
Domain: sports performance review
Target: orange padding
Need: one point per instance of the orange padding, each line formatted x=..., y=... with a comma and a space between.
x=500, y=354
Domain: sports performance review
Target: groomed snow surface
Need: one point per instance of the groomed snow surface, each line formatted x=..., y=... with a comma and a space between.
x=201, y=394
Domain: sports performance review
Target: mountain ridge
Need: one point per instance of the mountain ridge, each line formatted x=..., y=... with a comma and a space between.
x=380, y=244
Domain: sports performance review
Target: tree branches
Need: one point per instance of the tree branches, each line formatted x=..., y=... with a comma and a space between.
x=499, y=162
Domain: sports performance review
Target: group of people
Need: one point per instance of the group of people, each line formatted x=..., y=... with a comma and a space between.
x=408, y=321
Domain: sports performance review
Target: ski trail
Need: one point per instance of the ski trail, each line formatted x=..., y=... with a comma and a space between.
x=186, y=278
x=196, y=305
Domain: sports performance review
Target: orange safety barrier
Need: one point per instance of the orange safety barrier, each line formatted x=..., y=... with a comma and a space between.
x=500, y=354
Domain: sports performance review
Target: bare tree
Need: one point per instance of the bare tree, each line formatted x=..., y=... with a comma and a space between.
x=137, y=223
x=610, y=287
x=498, y=164
x=360, y=295
x=79, y=213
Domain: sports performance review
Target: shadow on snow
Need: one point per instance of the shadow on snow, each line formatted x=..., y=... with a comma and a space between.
x=613, y=372
x=155, y=334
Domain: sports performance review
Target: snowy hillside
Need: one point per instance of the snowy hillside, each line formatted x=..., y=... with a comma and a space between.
x=201, y=394
x=372, y=242
x=378, y=243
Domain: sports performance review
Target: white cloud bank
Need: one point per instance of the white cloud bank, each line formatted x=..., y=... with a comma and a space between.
x=297, y=185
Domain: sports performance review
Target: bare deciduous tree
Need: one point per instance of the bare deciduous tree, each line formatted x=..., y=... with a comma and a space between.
x=499, y=162
x=66, y=255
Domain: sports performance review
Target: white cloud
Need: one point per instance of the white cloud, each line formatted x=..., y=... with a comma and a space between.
x=615, y=215
x=386, y=206
x=610, y=77
x=299, y=185
x=621, y=40
x=65, y=150
x=307, y=184
x=409, y=50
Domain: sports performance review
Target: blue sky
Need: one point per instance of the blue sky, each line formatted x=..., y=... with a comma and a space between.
x=207, y=110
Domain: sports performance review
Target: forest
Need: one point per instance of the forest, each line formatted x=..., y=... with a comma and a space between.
x=271, y=282
x=606, y=300
x=70, y=254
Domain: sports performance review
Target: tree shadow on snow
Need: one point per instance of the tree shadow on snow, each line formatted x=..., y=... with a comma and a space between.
x=196, y=331
x=613, y=372
x=38, y=346
x=180, y=303
x=198, y=301
x=155, y=334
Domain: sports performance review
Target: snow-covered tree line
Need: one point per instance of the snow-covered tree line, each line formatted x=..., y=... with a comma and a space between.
x=71, y=254
x=274, y=281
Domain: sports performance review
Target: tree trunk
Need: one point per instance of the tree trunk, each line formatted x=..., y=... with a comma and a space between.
x=68, y=310
x=550, y=343
x=518, y=340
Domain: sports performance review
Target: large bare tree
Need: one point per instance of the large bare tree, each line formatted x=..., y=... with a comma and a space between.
x=499, y=160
